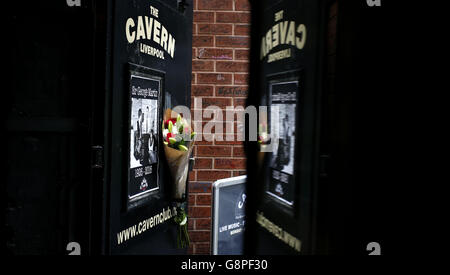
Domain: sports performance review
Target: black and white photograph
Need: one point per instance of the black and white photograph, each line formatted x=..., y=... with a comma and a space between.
x=284, y=99
x=143, y=136
x=144, y=131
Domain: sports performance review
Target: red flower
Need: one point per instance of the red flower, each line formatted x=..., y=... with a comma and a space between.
x=169, y=135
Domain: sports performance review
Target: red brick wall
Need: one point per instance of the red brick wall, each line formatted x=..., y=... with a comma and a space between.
x=220, y=53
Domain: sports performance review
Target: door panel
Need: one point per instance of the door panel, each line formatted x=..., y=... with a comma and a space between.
x=47, y=111
x=287, y=44
x=134, y=45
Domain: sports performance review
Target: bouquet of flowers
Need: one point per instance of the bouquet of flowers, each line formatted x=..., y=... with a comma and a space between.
x=178, y=144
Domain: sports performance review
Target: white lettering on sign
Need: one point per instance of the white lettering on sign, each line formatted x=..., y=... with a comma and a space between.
x=143, y=92
x=279, y=15
x=282, y=97
x=148, y=28
x=233, y=228
x=283, y=33
x=278, y=232
x=154, y=11
x=145, y=225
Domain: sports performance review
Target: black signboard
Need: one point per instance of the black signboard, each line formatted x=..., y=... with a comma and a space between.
x=156, y=36
x=229, y=196
x=283, y=96
x=286, y=65
x=145, y=89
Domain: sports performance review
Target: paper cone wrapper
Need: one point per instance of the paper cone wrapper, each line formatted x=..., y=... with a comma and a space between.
x=178, y=162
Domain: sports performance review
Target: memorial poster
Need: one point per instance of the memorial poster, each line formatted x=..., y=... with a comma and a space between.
x=283, y=95
x=144, y=132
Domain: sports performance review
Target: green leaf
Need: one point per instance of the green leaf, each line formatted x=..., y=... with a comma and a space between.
x=182, y=148
x=172, y=140
x=170, y=126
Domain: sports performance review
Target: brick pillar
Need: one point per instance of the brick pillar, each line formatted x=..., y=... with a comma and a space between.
x=220, y=52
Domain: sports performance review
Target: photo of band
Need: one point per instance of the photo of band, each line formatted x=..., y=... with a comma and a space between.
x=143, y=139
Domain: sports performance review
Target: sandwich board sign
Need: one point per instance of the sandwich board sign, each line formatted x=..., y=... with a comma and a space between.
x=228, y=216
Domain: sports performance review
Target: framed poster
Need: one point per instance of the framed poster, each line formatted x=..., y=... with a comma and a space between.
x=283, y=94
x=145, y=91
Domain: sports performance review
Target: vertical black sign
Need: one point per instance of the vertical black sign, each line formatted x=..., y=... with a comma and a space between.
x=145, y=94
x=283, y=95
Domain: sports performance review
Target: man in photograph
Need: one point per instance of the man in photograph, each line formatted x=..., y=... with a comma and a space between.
x=145, y=136
x=283, y=152
x=138, y=135
x=152, y=146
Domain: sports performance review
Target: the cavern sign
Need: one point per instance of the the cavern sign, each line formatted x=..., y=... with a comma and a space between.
x=283, y=32
x=147, y=29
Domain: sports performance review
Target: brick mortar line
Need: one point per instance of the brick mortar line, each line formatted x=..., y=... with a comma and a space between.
x=226, y=11
x=221, y=48
x=221, y=170
x=227, y=158
x=234, y=60
x=232, y=35
x=221, y=97
x=228, y=85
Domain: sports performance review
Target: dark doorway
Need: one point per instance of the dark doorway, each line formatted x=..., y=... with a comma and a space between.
x=48, y=114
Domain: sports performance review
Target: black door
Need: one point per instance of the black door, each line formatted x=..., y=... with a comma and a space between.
x=75, y=69
x=149, y=58
x=48, y=116
x=322, y=75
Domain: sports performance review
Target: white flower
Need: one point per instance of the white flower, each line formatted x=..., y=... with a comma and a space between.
x=175, y=130
x=165, y=132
